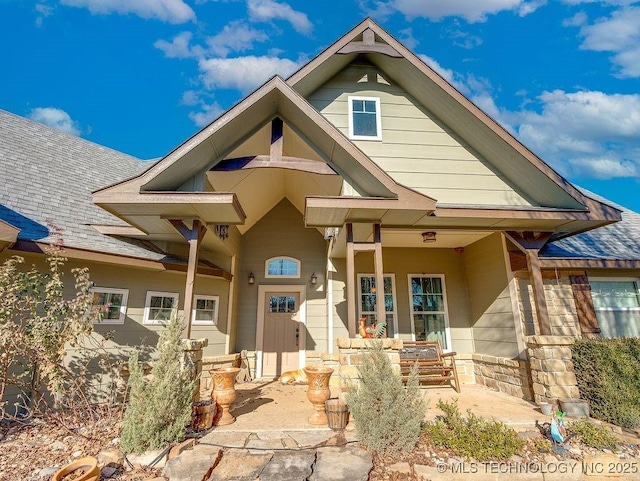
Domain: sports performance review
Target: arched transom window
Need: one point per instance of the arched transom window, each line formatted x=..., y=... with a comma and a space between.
x=285, y=267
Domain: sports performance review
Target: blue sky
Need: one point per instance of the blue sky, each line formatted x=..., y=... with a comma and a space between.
x=141, y=76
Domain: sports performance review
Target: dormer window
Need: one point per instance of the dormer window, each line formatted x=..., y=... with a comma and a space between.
x=364, y=118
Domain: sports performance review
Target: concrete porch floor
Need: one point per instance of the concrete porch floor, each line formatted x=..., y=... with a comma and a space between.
x=266, y=404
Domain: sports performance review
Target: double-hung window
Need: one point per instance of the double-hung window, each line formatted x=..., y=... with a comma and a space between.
x=368, y=295
x=205, y=310
x=429, y=309
x=364, y=118
x=109, y=305
x=159, y=307
x=617, y=305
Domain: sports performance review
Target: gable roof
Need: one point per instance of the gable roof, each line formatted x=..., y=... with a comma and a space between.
x=531, y=175
x=210, y=146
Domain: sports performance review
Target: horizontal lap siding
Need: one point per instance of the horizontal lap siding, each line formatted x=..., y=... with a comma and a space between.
x=416, y=150
x=489, y=298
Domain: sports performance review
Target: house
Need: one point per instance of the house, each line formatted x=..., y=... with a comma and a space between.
x=271, y=229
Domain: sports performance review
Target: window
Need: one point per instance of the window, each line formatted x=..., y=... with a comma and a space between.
x=160, y=306
x=368, y=291
x=364, y=118
x=111, y=303
x=286, y=267
x=205, y=310
x=617, y=304
x=429, y=309
x=282, y=304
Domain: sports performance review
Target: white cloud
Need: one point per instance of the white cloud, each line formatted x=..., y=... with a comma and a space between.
x=578, y=20
x=235, y=37
x=619, y=34
x=56, y=118
x=179, y=47
x=243, y=73
x=207, y=115
x=588, y=134
x=267, y=10
x=43, y=11
x=471, y=10
x=172, y=11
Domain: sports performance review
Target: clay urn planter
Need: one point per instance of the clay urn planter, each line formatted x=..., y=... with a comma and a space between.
x=318, y=392
x=83, y=469
x=224, y=393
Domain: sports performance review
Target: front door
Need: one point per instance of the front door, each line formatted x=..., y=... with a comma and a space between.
x=280, y=349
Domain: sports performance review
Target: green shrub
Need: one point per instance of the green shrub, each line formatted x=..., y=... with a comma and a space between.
x=159, y=410
x=593, y=435
x=608, y=374
x=387, y=415
x=473, y=437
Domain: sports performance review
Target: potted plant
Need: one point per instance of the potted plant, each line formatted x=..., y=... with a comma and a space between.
x=83, y=469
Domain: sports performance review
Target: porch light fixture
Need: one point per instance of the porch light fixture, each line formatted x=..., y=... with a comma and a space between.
x=222, y=231
x=314, y=279
x=251, y=279
x=428, y=236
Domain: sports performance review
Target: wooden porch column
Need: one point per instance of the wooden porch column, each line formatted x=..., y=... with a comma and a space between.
x=531, y=244
x=381, y=314
x=194, y=236
x=351, y=283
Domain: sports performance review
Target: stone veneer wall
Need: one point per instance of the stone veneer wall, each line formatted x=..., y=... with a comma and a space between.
x=561, y=306
x=510, y=376
x=552, y=372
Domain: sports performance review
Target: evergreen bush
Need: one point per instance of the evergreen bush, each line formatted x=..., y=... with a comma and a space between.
x=387, y=415
x=608, y=375
x=593, y=435
x=159, y=410
x=473, y=437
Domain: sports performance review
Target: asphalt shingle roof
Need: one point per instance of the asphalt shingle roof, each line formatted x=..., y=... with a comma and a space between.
x=619, y=241
x=46, y=178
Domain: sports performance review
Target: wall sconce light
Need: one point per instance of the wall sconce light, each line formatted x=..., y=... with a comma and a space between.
x=222, y=231
x=251, y=279
x=314, y=279
x=428, y=236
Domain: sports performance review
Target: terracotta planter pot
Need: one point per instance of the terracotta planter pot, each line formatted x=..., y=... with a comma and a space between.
x=89, y=465
x=224, y=393
x=318, y=392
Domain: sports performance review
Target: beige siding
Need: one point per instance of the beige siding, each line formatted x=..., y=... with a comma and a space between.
x=281, y=232
x=492, y=314
x=138, y=281
x=416, y=150
x=402, y=263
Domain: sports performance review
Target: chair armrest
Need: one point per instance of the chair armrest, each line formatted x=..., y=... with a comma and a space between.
x=449, y=354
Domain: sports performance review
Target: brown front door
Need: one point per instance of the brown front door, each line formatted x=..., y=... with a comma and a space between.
x=281, y=333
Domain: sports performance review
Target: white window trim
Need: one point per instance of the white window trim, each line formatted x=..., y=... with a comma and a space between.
x=123, y=307
x=393, y=297
x=147, y=306
x=378, y=136
x=271, y=276
x=214, y=322
x=447, y=328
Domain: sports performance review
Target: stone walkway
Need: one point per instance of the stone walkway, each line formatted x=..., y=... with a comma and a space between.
x=314, y=455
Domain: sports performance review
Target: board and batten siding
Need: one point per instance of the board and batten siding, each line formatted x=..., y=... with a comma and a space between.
x=281, y=232
x=416, y=150
x=492, y=316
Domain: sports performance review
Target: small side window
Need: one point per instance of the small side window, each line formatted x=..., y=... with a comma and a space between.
x=160, y=306
x=205, y=310
x=364, y=118
x=110, y=303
